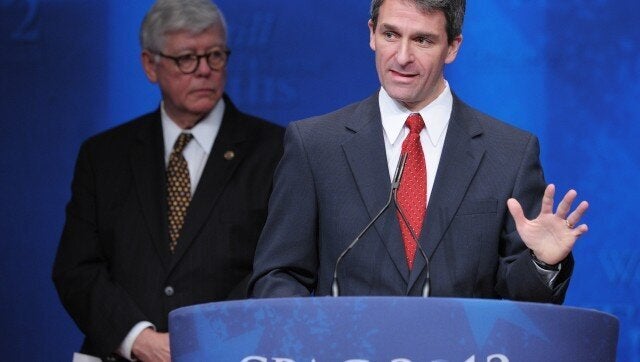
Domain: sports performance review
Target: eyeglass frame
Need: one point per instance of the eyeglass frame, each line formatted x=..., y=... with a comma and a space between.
x=178, y=59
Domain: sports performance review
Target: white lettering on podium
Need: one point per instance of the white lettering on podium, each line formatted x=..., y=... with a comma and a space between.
x=497, y=358
x=491, y=358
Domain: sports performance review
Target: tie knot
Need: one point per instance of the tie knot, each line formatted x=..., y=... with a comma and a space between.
x=182, y=142
x=415, y=123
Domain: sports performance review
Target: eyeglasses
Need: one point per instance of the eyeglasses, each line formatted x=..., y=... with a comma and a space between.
x=188, y=63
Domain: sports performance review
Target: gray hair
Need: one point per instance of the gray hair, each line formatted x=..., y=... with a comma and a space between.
x=453, y=12
x=166, y=16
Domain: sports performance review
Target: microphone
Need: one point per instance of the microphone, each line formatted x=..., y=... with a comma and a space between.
x=426, y=288
x=395, y=183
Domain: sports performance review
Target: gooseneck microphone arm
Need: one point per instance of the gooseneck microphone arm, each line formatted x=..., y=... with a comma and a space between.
x=427, y=283
x=395, y=183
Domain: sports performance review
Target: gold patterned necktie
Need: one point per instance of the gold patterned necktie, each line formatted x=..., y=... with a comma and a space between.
x=178, y=189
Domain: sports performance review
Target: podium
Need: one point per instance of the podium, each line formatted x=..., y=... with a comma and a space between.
x=389, y=329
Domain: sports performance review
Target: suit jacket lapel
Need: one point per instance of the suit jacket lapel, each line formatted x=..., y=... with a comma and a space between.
x=147, y=163
x=365, y=153
x=226, y=154
x=461, y=155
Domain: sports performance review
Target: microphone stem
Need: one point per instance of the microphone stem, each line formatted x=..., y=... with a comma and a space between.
x=427, y=284
x=334, y=285
x=395, y=183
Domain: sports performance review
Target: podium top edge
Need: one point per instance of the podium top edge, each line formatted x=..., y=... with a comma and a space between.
x=348, y=300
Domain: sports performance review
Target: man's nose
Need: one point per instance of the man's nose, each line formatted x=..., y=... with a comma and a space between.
x=404, y=53
x=203, y=67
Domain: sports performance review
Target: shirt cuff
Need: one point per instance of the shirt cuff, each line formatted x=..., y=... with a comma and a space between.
x=548, y=275
x=127, y=344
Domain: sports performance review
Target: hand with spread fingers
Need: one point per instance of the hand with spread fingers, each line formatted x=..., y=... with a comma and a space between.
x=551, y=236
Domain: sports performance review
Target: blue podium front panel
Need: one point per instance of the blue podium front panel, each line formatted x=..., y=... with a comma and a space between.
x=360, y=329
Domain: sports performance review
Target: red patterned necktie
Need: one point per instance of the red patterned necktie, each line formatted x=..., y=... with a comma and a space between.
x=412, y=193
x=178, y=188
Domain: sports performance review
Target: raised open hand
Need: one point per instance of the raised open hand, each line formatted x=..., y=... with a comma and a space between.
x=550, y=236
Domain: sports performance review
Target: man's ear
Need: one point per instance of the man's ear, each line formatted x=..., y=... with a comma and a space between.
x=149, y=65
x=372, y=34
x=454, y=47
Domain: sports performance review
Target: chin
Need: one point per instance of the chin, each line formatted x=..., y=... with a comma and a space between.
x=403, y=97
x=204, y=106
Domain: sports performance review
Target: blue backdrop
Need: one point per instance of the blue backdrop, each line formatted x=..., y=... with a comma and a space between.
x=568, y=71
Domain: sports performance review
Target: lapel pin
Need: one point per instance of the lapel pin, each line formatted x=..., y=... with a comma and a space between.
x=229, y=155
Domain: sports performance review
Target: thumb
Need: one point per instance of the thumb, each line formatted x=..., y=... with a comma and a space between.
x=516, y=211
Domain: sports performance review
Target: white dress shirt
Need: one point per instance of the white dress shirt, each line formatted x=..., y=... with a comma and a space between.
x=197, y=151
x=436, y=120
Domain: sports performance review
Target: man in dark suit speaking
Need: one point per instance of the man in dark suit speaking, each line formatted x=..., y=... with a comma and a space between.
x=471, y=215
x=166, y=209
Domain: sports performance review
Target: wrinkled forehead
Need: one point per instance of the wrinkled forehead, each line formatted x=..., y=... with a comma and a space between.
x=213, y=36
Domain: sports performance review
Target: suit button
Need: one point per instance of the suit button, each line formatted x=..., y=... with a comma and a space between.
x=168, y=291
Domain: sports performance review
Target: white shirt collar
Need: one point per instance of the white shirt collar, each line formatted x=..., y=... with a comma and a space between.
x=436, y=116
x=204, y=132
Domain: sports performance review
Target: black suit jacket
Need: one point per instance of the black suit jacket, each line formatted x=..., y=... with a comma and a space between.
x=333, y=179
x=113, y=268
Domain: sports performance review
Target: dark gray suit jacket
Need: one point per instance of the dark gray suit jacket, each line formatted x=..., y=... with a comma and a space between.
x=334, y=178
x=113, y=267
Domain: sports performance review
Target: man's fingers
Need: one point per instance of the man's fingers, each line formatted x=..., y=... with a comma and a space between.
x=581, y=229
x=515, y=209
x=547, y=199
x=577, y=214
x=565, y=204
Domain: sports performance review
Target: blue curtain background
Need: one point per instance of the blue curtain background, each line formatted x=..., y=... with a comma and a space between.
x=568, y=71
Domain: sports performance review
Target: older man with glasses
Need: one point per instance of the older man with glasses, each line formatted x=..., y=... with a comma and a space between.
x=166, y=209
